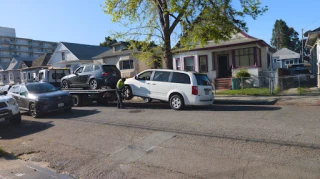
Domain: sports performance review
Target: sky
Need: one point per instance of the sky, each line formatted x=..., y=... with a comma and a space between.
x=83, y=21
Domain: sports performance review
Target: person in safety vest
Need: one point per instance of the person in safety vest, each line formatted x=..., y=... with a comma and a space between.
x=120, y=87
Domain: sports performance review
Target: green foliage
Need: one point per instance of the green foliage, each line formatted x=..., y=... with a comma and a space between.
x=191, y=21
x=243, y=73
x=108, y=41
x=149, y=53
x=277, y=90
x=246, y=91
x=285, y=37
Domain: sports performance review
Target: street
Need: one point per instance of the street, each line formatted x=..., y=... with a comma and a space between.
x=154, y=141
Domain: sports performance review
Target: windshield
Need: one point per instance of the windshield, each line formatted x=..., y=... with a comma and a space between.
x=202, y=80
x=38, y=88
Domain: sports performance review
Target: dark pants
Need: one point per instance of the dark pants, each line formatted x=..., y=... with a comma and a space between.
x=119, y=95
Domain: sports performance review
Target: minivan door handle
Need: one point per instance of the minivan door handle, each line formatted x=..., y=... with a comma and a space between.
x=153, y=84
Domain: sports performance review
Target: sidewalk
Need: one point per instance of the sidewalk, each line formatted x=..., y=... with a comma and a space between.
x=268, y=100
x=15, y=168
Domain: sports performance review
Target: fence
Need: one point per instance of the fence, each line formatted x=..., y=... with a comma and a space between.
x=283, y=85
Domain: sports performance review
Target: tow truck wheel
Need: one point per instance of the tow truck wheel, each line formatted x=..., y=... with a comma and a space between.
x=65, y=84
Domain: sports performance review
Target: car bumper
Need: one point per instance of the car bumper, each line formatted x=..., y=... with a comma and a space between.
x=107, y=82
x=46, y=108
x=197, y=101
x=9, y=111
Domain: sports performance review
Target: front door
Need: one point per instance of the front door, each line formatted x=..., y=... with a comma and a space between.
x=160, y=85
x=223, y=66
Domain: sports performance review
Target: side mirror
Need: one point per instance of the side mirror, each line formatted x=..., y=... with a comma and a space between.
x=5, y=92
x=136, y=77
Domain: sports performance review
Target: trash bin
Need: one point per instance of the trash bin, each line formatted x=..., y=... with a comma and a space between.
x=235, y=83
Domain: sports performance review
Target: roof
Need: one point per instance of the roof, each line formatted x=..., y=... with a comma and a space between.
x=4, y=66
x=16, y=62
x=111, y=53
x=285, y=53
x=312, y=38
x=42, y=60
x=237, y=40
x=85, y=52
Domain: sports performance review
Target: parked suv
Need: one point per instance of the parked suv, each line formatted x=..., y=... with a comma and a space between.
x=9, y=109
x=93, y=76
x=39, y=98
x=179, y=88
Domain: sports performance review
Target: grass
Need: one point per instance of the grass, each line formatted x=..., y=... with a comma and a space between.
x=302, y=90
x=247, y=91
x=3, y=153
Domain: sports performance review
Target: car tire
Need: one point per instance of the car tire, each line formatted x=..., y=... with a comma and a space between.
x=176, y=102
x=65, y=84
x=147, y=100
x=93, y=84
x=16, y=119
x=76, y=100
x=127, y=93
x=33, y=110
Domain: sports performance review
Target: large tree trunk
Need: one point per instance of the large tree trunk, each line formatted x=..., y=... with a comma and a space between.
x=167, y=54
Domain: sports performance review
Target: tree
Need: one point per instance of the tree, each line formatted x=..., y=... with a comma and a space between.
x=285, y=37
x=108, y=41
x=194, y=21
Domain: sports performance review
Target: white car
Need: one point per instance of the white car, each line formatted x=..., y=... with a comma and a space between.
x=9, y=109
x=179, y=88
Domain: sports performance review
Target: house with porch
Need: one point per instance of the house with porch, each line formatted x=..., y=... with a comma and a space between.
x=13, y=70
x=30, y=73
x=72, y=55
x=221, y=61
x=123, y=58
x=313, y=44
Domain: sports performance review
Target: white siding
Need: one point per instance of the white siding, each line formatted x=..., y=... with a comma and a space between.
x=56, y=56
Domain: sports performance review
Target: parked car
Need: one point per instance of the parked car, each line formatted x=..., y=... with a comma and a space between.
x=39, y=98
x=5, y=88
x=93, y=76
x=179, y=88
x=9, y=109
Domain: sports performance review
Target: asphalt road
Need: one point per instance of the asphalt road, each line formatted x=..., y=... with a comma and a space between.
x=153, y=141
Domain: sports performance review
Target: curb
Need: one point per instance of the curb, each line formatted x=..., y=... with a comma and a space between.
x=246, y=102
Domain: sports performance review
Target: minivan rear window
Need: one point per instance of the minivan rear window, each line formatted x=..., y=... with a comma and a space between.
x=202, y=80
x=180, y=78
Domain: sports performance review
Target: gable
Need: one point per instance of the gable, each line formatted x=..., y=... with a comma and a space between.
x=57, y=55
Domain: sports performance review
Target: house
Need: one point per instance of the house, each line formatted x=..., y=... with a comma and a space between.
x=39, y=63
x=72, y=55
x=12, y=74
x=123, y=58
x=313, y=44
x=223, y=60
x=284, y=58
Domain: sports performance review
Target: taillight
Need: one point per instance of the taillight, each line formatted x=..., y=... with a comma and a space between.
x=195, y=90
x=105, y=74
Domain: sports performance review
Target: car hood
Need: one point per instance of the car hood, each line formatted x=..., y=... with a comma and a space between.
x=52, y=94
x=4, y=98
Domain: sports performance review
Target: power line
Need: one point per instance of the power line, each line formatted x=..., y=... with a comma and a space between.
x=312, y=23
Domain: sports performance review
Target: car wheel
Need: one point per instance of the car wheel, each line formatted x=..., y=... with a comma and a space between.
x=176, y=102
x=65, y=84
x=127, y=93
x=16, y=119
x=33, y=110
x=76, y=100
x=147, y=100
x=93, y=84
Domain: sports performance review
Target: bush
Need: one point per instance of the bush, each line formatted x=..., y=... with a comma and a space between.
x=243, y=73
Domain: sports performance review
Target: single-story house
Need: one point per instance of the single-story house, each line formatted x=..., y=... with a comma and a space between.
x=313, y=43
x=225, y=58
x=123, y=58
x=72, y=55
x=284, y=58
x=28, y=74
x=12, y=74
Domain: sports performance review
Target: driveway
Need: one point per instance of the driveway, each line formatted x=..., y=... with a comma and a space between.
x=153, y=141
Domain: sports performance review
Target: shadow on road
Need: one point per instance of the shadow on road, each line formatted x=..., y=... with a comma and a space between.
x=74, y=113
x=8, y=131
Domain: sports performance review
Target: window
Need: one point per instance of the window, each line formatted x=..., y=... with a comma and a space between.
x=79, y=70
x=29, y=76
x=202, y=80
x=23, y=91
x=178, y=64
x=189, y=63
x=88, y=68
x=244, y=57
x=97, y=67
x=203, y=64
x=126, y=64
x=161, y=76
x=24, y=75
x=287, y=62
x=291, y=61
x=41, y=76
x=58, y=74
x=4, y=78
x=180, y=78
x=145, y=76
x=11, y=77
x=1, y=78
x=63, y=56
x=296, y=61
x=117, y=48
x=39, y=88
x=258, y=62
x=15, y=89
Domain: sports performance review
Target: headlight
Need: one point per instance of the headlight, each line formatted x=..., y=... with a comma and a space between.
x=12, y=102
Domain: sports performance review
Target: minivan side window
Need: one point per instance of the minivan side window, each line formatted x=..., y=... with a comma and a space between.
x=145, y=76
x=161, y=76
x=180, y=78
x=88, y=68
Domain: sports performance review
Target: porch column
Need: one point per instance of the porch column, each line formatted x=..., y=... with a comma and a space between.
x=233, y=59
x=213, y=61
x=255, y=56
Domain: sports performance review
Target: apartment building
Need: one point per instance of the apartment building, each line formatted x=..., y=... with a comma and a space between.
x=12, y=46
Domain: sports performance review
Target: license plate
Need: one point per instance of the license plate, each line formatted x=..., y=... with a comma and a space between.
x=60, y=105
x=206, y=92
x=114, y=74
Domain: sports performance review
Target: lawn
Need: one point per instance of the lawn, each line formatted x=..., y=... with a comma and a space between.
x=247, y=91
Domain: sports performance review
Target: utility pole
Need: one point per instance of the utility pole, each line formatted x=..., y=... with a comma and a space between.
x=302, y=47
